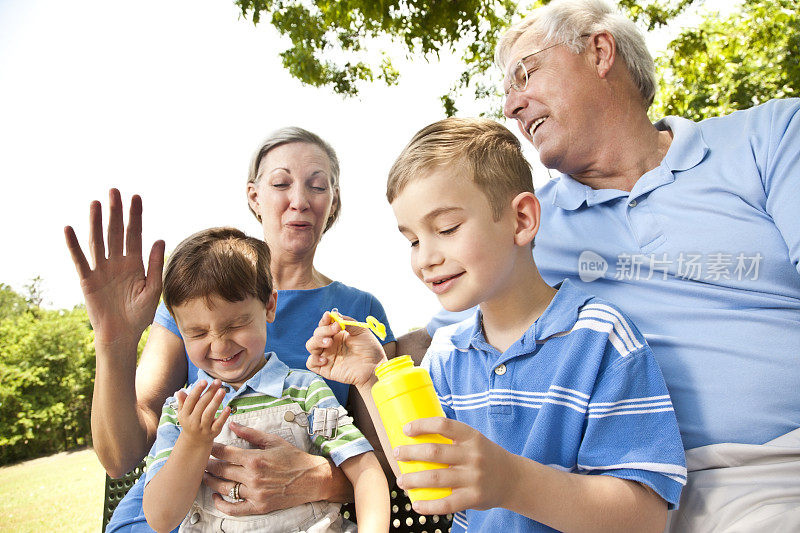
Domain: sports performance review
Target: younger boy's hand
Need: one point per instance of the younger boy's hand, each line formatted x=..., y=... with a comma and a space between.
x=197, y=412
x=347, y=356
x=479, y=471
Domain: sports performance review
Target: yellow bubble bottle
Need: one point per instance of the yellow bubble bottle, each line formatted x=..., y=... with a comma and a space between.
x=404, y=393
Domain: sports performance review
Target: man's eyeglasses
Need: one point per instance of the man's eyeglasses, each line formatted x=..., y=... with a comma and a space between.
x=517, y=77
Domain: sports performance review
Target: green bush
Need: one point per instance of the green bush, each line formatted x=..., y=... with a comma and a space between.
x=47, y=366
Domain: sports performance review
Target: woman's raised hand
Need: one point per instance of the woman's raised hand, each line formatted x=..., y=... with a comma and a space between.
x=121, y=298
x=347, y=356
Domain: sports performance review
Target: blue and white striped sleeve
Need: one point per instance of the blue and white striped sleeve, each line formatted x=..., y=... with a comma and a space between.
x=348, y=440
x=166, y=437
x=631, y=429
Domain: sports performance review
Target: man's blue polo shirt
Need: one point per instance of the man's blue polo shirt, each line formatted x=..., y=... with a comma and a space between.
x=703, y=254
x=580, y=392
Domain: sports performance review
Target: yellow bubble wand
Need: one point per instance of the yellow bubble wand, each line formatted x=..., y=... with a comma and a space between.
x=372, y=323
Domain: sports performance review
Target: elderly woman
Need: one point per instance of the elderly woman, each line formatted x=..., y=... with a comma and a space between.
x=293, y=191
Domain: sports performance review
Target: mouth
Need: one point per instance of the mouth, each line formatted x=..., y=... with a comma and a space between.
x=228, y=360
x=441, y=284
x=299, y=225
x=535, y=124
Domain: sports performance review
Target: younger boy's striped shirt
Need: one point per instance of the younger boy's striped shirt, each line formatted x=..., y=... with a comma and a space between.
x=579, y=392
x=274, y=385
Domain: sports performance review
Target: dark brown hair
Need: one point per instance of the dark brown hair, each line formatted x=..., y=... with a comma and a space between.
x=221, y=262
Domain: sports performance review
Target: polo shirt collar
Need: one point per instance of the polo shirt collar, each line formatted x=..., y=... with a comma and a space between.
x=570, y=194
x=687, y=150
x=688, y=147
x=268, y=381
x=559, y=316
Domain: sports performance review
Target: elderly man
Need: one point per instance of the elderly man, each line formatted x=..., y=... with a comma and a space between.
x=693, y=229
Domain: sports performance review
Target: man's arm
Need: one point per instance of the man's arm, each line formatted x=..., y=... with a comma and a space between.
x=414, y=343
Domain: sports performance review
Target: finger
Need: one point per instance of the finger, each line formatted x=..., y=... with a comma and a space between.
x=180, y=396
x=96, y=244
x=234, y=509
x=431, y=452
x=325, y=319
x=220, y=420
x=115, y=227
x=257, y=438
x=78, y=258
x=316, y=344
x=446, y=427
x=316, y=362
x=442, y=506
x=155, y=267
x=219, y=471
x=211, y=408
x=133, y=235
x=194, y=395
x=207, y=397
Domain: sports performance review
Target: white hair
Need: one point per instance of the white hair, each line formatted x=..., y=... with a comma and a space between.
x=567, y=20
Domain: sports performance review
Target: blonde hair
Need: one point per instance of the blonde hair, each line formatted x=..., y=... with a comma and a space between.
x=486, y=149
x=565, y=21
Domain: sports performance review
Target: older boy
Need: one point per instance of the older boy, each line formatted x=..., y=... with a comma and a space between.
x=218, y=287
x=543, y=384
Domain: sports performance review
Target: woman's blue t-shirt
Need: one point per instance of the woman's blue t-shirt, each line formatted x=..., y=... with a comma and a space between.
x=296, y=317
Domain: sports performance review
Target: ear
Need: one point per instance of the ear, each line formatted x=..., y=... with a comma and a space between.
x=604, y=48
x=252, y=196
x=271, y=305
x=527, y=217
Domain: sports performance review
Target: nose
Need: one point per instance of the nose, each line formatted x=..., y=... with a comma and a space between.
x=514, y=104
x=220, y=345
x=298, y=198
x=427, y=256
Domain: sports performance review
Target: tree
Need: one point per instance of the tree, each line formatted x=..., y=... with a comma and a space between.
x=735, y=63
x=330, y=37
x=46, y=375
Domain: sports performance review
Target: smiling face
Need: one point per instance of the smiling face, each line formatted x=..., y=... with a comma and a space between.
x=458, y=249
x=558, y=110
x=293, y=197
x=225, y=339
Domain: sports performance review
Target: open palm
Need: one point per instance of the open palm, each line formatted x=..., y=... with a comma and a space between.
x=121, y=298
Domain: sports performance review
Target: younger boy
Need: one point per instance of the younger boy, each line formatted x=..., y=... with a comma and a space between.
x=558, y=412
x=218, y=287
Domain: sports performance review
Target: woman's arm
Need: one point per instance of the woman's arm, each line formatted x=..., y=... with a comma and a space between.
x=127, y=401
x=121, y=299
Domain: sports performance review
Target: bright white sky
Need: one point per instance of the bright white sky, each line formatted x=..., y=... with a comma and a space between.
x=168, y=99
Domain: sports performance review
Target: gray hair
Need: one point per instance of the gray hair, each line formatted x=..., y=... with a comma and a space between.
x=566, y=20
x=293, y=134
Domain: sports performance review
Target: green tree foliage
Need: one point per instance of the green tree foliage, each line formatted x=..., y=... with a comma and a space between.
x=343, y=43
x=46, y=375
x=735, y=63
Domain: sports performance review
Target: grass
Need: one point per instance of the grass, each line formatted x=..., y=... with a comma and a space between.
x=62, y=492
